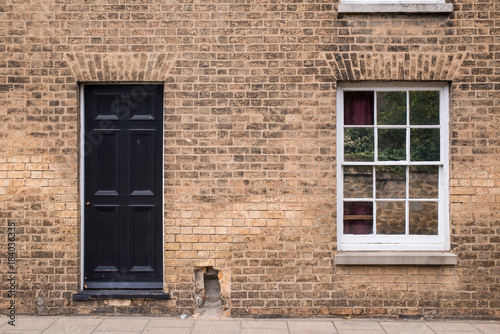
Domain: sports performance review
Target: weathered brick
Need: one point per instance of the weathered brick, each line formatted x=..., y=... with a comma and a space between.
x=250, y=152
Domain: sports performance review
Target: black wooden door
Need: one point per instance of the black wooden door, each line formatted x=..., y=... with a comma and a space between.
x=123, y=186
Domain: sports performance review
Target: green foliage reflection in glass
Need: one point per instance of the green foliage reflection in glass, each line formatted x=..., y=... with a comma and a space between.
x=358, y=144
x=391, y=108
x=424, y=108
x=391, y=144
x=424, y=145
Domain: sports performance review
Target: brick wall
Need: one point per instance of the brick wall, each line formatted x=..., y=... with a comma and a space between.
x=250, y=126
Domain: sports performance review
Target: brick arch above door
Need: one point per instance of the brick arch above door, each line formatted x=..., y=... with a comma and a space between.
x=353, y=66
x=113, y=67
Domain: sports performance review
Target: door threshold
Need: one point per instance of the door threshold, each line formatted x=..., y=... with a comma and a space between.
x=121, y=294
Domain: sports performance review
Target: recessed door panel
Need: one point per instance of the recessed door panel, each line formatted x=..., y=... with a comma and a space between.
x=144, y=104
x=142, y=238
x=107, y=162
x=142, y=147
x=106, y=237
x=106, y=106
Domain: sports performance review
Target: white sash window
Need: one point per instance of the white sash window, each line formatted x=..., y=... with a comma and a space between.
x=392, y=167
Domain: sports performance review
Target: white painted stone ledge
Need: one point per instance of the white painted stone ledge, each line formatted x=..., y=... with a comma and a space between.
x=396, y=258
x=415, y=8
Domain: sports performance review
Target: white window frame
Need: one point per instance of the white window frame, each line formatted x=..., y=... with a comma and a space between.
x=355, y=242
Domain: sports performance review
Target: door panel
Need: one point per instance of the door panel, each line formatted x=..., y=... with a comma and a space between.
x=107, y=163
x=142, y=232
x=123, y=167
x=106, y=106
x=143, y=108
x=106, y=237
x=142, y=148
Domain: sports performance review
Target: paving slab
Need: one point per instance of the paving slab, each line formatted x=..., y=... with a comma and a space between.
x=216, y=326
x=73, y=325
x=488, y=328
x=457, y=332
x=452, y=326
x=117, y=331
x=77, y=321
x=170, y=323
x=167, y=330
x=69, y=330
x=362, y=331
x=357, y=324
x=174, y=325
x=311, y=327
x=33, y=323
x=267, y=324
x=122, y=324
x=263, y=331
x=405, y=327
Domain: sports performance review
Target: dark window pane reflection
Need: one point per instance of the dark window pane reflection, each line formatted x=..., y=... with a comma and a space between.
x=390, y=217
x=358, y=182
x=358, y=144
x=391, y=108
x=391, y=181
x=358, y=108
x=358, y=217
x=424, y=144
x=424, y=218
x=424, y=182
x=424, y=108
x=391, y=144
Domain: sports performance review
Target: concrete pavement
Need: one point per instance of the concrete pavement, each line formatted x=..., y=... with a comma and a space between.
x=169, y=325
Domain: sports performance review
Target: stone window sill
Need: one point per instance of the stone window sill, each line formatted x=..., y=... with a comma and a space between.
x=396, y=258
x=397, y=8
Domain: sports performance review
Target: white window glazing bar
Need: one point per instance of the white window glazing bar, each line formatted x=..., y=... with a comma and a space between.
x=374, y=202
x=375, y=130
x=408, y=158
x=391, y=199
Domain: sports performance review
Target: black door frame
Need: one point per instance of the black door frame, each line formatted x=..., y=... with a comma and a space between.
x=82, y=161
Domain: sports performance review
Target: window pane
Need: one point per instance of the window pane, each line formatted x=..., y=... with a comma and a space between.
x=358, y=182
x=391, y=144
x=424, y=218
x=391, y=181
x=424, y=108
x=358, y=217
x=391, y=108
x=424, y=144
x=424, y=182
x=358, y=144
x=390, y=217
x=358, y=108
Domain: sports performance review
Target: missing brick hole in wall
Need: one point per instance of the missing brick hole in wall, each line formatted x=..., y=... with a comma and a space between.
x=207, y=292
x=211, y=288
